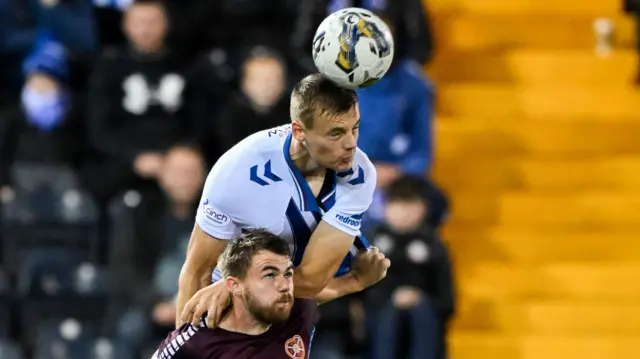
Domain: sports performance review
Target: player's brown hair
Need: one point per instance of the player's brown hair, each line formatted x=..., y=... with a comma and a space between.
x=238, y=255
x=317, y=95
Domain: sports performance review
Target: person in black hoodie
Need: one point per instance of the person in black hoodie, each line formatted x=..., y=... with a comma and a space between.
x=140, y=103
x=416, y=299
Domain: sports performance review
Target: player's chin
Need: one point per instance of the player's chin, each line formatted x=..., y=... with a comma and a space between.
x=281, y=311
x=343, y=165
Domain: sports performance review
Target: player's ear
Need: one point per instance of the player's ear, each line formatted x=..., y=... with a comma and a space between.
x=297, y=130
x=233, y=285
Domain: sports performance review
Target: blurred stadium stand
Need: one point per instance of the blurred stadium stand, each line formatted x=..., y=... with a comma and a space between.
x=536, y=145
x=536, y=142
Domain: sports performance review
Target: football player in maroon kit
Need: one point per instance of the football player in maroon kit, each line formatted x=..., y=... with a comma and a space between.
x=264, y=320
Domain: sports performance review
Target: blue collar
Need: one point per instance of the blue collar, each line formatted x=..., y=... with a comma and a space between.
x=308, y=200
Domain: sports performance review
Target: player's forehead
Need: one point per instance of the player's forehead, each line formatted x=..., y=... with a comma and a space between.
x=267, y=259
x=327, y=120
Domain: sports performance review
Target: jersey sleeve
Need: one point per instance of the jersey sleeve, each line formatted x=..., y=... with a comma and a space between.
x=354, y=195
x=216, y=205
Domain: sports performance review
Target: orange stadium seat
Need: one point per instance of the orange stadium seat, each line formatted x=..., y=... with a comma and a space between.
x=536, y=142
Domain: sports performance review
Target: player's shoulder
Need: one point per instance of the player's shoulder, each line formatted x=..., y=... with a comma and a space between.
x=361, y=175
x=306, y=311
x=182, y=343
x=259, y=150
x=253, y=172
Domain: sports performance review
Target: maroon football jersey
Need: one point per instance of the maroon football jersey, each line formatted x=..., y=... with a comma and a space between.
x=290, y=340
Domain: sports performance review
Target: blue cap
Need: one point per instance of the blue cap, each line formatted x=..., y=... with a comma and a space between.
x=49, y=56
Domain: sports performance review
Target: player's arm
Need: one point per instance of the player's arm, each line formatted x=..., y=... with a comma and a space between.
x=333, y=238
x=214, y=227
x=202, y=257
x=322, y=257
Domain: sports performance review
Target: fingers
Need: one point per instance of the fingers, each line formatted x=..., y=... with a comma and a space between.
x=187, y=312
x=198, y=313
x=374, y=250
x=217, y=307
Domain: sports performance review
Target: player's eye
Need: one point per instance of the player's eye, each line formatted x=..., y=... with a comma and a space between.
x=289, y=274
x=269, y=275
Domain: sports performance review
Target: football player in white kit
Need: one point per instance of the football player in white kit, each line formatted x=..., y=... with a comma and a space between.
x=306, y=181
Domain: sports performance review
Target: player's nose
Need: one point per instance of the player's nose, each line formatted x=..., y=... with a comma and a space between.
x=284, y=285
x=350, y=142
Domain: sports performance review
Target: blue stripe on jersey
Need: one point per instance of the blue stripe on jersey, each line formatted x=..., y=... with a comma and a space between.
x=308, y=199
x=300, y=231
x=329, y=201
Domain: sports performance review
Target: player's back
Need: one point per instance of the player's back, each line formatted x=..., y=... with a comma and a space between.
x=282, y=341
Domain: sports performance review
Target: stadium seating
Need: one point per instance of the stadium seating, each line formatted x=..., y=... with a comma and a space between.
x=49, y=210
x=9, y=350
x=5, y=307
x=73, y=339
x=58, y=286
x=537, y=145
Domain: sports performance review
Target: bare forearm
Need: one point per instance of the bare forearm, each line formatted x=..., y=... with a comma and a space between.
x=339, y=287
x=188, y=285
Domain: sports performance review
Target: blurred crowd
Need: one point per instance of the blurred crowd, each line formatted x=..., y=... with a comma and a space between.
x=111, y=114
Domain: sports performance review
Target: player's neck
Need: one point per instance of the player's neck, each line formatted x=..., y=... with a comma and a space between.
x=240, y=320
x=303, y=161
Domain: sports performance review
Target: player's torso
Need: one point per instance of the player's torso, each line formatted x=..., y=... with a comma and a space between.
x=289, y=340
x=291, y=206
x=281, y=199
x=289, y=344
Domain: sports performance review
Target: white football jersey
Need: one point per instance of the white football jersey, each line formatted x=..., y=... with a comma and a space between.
x=256, y=185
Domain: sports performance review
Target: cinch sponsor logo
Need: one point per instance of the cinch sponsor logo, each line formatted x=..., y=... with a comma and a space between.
x=348, y=220
x=217, y=217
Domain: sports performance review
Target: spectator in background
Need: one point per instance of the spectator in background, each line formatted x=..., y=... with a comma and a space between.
x=150, y=262
x=24, y=23
x=260, y=104
x=417, y=297
x=139, y=104
x=399, y=111
x=47, y=126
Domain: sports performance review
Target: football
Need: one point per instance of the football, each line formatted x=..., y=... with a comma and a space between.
x=353, y=47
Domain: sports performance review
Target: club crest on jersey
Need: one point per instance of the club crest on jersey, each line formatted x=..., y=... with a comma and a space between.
x=217, y=217
x=294, y=347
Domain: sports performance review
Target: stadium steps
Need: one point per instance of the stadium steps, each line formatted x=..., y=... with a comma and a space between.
x=517, y=7
x=537, y=144
x=605, y=283
x=537, y=173
x=551, y=317
x=589, y=137
x=590, y=210
x=543, y=246
x=491, y=99
x=465, y=31
x=491, y=346
x=536, y=67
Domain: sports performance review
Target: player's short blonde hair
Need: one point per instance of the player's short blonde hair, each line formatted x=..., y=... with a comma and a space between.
x=315, y=95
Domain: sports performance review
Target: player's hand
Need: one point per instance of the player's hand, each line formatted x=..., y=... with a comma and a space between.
x=212, y=300
x=370, y=267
